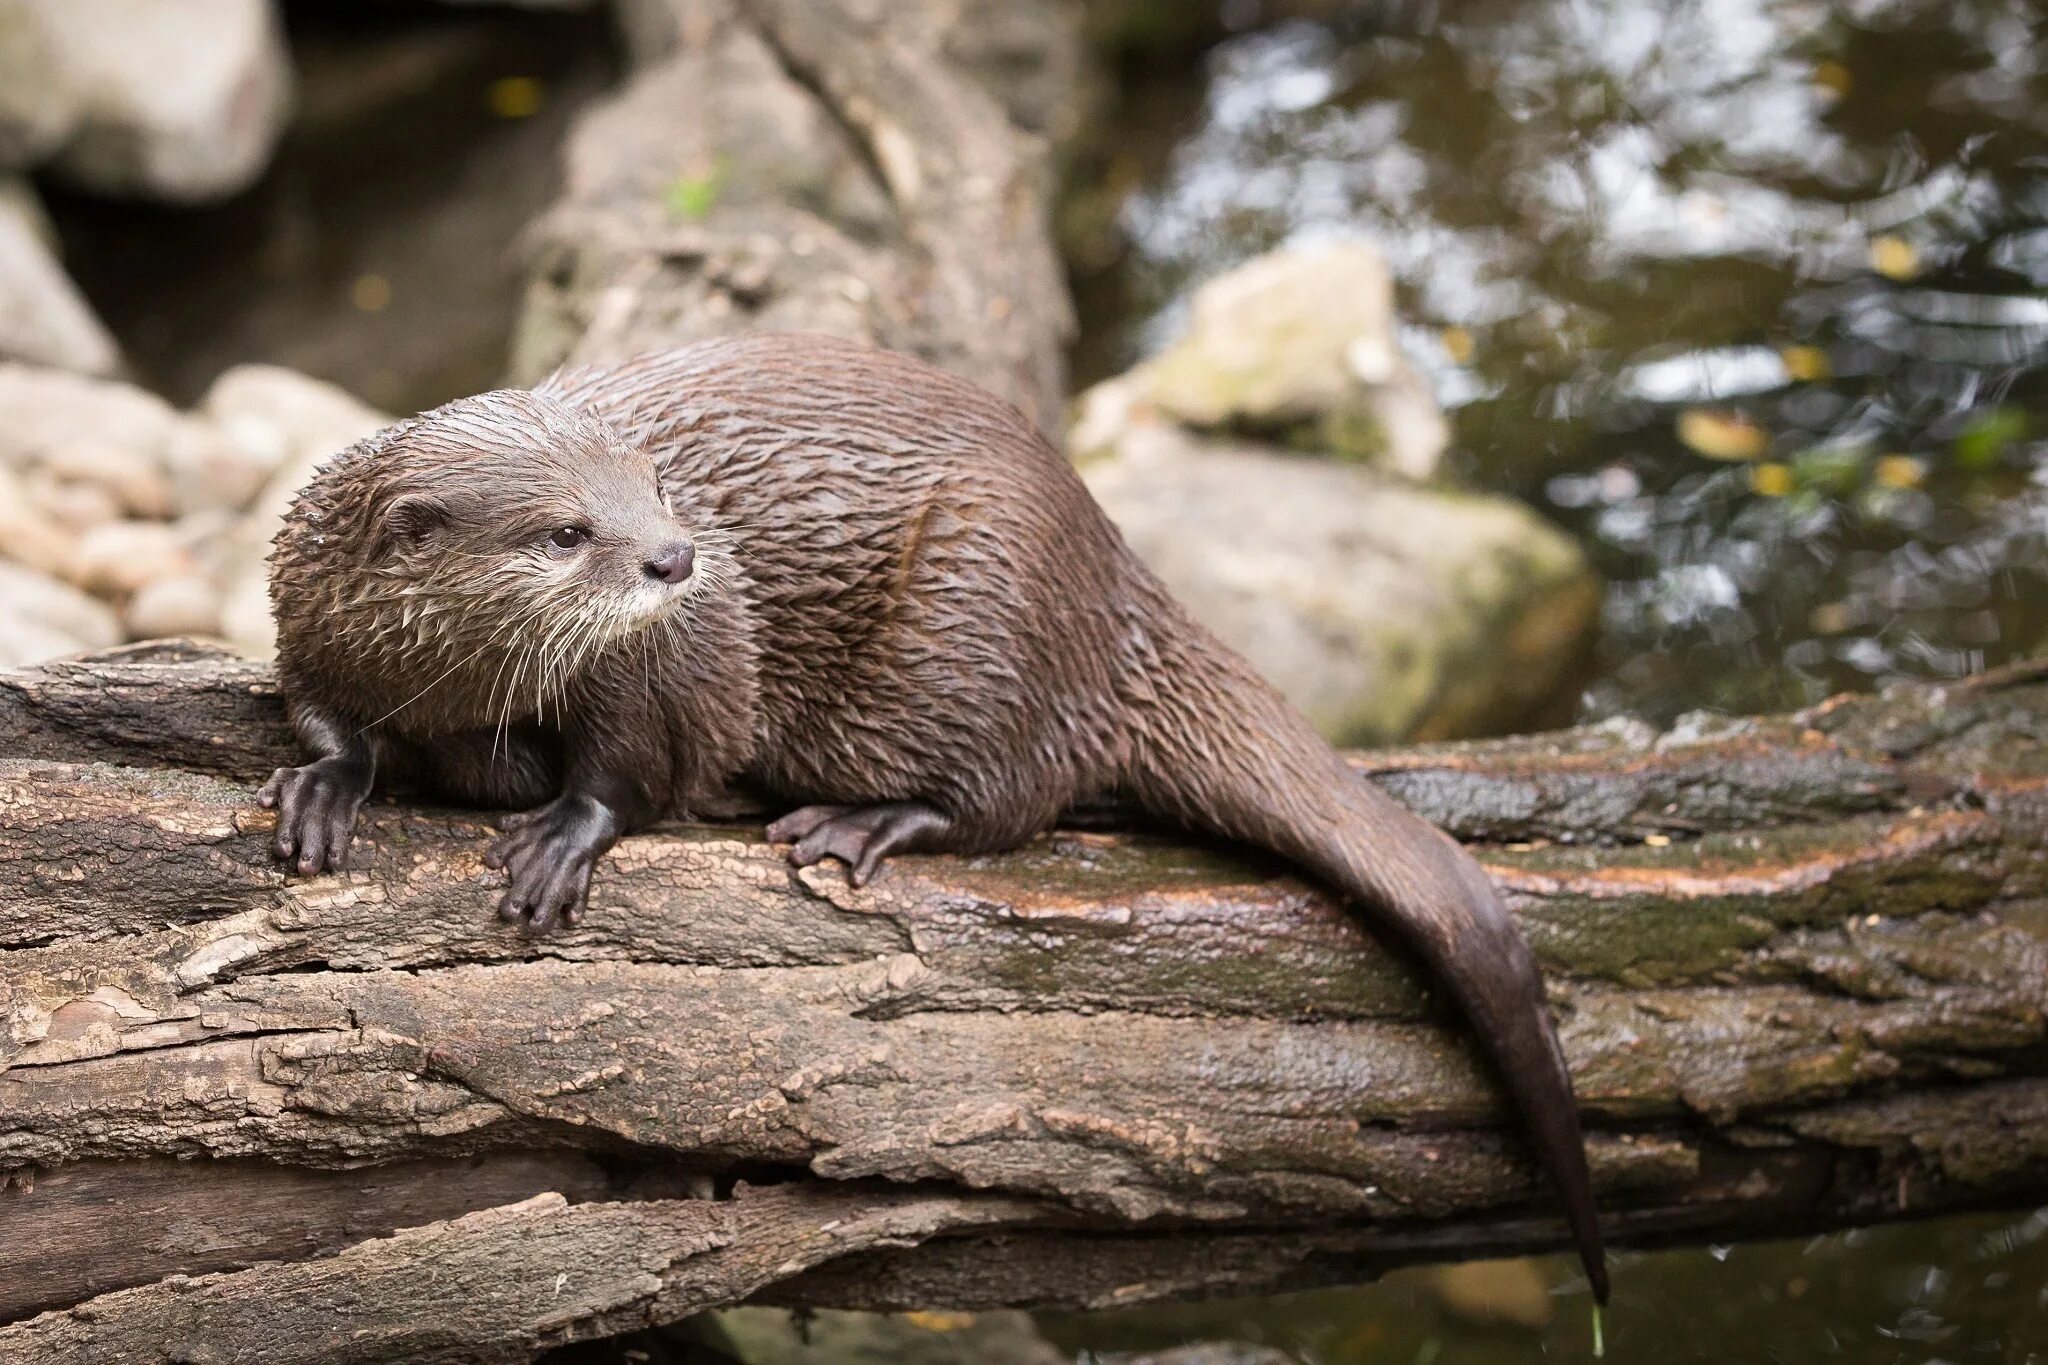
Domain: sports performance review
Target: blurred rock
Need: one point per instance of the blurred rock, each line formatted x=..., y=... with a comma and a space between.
x=1386, y=611
x=41, y=618
x=1512, y=1292
x=117, y=558
x=166, y=515
x=181, y=101
x=1299, y=343
x=1028, y=56
x=187, y=604
x=72, y=429
x=728, y=188
x=43, y=317
x=29, y=533
x=775, y=1336
x=37, y=105
x=290, y=423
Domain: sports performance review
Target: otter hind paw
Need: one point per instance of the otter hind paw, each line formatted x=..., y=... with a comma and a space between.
x=316, y=809
x=859, y=836
x=550, y=853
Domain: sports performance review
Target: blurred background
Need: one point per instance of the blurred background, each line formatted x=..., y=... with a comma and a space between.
x=1471, y=366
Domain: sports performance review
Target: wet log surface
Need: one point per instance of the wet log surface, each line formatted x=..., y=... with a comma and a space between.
x=1800, y=966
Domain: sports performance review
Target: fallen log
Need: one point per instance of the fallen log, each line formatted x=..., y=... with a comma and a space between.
x=1800, y=966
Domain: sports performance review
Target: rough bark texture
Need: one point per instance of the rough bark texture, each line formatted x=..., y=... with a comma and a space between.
x=1800, y=966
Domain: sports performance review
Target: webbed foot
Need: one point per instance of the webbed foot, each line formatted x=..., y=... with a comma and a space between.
x=860, y=836
x=316, y=812
x=550, y=852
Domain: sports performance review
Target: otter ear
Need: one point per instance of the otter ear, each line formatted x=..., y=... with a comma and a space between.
x=408, y=521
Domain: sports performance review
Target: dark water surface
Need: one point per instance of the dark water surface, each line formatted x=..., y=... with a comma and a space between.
x=1810, y=238
x=1952, y=1292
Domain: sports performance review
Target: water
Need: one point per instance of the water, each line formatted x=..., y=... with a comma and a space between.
x=1810, y=239
x=1958, y=1291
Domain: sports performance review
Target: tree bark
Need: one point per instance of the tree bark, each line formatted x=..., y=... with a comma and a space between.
x=1800, y=966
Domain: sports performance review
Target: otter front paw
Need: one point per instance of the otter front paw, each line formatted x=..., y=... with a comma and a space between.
x=550, y=852
x=316, y=812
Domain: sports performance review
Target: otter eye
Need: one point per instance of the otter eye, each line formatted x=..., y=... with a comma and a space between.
x=567, y=537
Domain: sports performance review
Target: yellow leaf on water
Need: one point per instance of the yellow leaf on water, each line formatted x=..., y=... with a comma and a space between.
x=939, y=1322
x=1829, y=618
x=1458, y=344
x=1721, y=435
x=1900, y=471
x=1808, y=364
x=1895, y=258
x=370, y=293
x=515, y=97
x=1833, y=77
x=1772, y=480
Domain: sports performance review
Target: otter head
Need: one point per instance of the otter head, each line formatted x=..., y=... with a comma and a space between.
x=507, y=536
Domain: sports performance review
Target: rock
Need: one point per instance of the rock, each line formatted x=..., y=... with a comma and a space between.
x=29, y=533
x=1300, y=343
x=41, y=618
x=774, y=1336
x=710, y=135
x=118, y=558
x=1512, y=1292
x=72, y=506
x=180, y=101
x=280, y=418
x=43, y=317
x=1385, y=610
x=188, y=604
x=38, y=107
x=727, y=189
x=69, y=429
x=291, y=424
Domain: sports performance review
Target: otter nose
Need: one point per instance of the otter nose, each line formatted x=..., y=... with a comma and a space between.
x=672, y=565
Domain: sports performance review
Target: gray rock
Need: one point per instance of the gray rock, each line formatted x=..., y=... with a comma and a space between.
x=181, y=101
x=183, y=605
x=291, y=423
x=41, y=618
x=1300, y=343
x=29, y=533
x=43, y=318
x=60, y=430
x=1383, y=609
x=38, y=106
x=118, y=558
x=726, y=189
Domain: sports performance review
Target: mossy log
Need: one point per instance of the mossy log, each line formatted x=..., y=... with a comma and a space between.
x=1800, y=966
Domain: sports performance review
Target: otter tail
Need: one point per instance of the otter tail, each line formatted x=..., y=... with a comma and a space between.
x=1220, y=750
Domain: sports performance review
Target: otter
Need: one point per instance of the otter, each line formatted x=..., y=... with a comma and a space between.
x=846, y=580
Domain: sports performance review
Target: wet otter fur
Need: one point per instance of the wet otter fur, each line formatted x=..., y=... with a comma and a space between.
x=851, y=582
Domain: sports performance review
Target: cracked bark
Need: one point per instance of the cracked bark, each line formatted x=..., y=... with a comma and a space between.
x=1800, y=965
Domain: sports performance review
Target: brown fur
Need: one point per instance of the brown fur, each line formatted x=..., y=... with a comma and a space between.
x=927, y=635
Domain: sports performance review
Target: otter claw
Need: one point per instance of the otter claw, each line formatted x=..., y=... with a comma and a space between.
x=550, y=853
x=316, y=809
x=859, y=836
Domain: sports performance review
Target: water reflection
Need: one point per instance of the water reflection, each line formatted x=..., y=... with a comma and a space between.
x=1743, y=290
x=1964, y=1289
